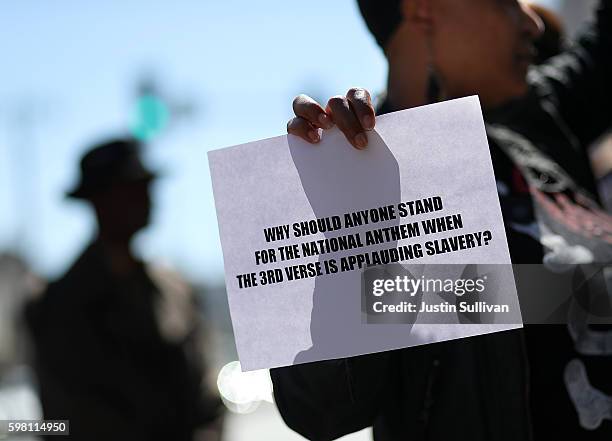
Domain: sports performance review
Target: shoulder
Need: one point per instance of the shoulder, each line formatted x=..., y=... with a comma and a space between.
x=176, y=306
x=68, y=294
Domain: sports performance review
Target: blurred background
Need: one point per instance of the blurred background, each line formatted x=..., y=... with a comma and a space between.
x=184, y=77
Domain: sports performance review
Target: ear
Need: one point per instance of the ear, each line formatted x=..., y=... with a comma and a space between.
x=418, y=13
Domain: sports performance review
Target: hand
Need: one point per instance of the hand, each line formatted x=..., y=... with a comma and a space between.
x=353, y=114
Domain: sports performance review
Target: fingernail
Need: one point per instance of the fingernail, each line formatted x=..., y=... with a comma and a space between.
x=361, y=141
x=325, y=121
x=314, y=136
x=368, y=122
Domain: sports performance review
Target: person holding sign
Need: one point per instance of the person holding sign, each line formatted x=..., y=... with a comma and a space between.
x=539, y=123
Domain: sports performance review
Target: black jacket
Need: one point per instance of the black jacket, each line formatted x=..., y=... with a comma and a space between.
x=105, y=362
x=479, y=388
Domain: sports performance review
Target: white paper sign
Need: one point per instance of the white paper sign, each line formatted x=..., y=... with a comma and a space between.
x=284, y=205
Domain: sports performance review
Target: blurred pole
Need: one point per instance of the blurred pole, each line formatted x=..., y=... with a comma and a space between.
x=22, y=122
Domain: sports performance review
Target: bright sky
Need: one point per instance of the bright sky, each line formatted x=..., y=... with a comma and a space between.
x=69, y=75
x=73, y=66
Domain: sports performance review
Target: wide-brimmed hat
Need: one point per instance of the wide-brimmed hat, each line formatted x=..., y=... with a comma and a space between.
x=108, y=163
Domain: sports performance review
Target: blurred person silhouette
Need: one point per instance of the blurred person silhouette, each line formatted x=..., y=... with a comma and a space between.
x=539, y=121
x=551, y=43
x=117, y=341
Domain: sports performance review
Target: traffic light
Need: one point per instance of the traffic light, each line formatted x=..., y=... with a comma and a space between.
x=151, y=116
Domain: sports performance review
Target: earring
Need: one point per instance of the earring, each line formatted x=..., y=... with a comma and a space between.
x=434, y=90
x=433, y=85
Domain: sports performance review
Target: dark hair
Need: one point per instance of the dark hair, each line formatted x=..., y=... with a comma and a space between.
x=382, y=18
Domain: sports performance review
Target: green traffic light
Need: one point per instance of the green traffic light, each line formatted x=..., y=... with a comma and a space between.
x=151, y=117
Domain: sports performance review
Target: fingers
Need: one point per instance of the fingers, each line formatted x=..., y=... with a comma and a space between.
x=361, y=103
x=308, y=109
x=340, y=110
x=353, y=114
x=298, y=126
